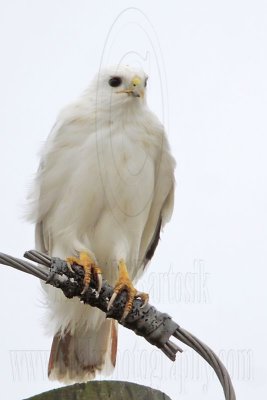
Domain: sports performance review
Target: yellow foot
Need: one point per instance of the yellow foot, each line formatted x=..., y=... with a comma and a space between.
x=89, y=267
x=124, y=283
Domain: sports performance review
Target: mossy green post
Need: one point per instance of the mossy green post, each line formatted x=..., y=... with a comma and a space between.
x=100, y=390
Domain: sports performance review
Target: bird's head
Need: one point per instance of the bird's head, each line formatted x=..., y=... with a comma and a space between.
x=121, y=85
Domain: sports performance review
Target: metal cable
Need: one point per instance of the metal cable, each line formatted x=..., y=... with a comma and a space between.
x=24, y=266
x=170, y=349
x=208, y=354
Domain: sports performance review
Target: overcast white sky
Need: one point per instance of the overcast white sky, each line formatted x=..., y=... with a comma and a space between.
x=207, y=62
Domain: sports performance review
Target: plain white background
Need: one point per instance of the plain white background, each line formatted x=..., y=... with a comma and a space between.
x=207, y=62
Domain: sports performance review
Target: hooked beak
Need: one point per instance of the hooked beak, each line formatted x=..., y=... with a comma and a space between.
x=135, y=88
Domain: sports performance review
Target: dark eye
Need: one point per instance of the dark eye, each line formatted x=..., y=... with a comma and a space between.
x=146, y=82
x=115, y=81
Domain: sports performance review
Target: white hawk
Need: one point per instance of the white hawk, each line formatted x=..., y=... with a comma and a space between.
x=103, y=192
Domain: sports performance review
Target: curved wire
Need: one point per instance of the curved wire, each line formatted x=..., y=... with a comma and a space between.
x=204, y=351
x=181, y=334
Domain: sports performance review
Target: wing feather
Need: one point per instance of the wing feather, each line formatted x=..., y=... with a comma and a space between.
x=153, y=228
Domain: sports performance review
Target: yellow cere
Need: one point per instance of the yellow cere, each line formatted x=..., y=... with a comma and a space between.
x=136, y=81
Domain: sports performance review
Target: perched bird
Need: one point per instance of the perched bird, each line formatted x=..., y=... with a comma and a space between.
x=103, y=192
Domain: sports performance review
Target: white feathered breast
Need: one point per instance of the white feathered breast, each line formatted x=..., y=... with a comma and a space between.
x=100, y=179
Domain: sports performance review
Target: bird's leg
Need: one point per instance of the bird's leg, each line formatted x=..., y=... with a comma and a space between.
x=89, y=266
x=124, y=283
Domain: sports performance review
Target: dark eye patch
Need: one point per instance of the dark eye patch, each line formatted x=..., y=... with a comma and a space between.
x=115, y=81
